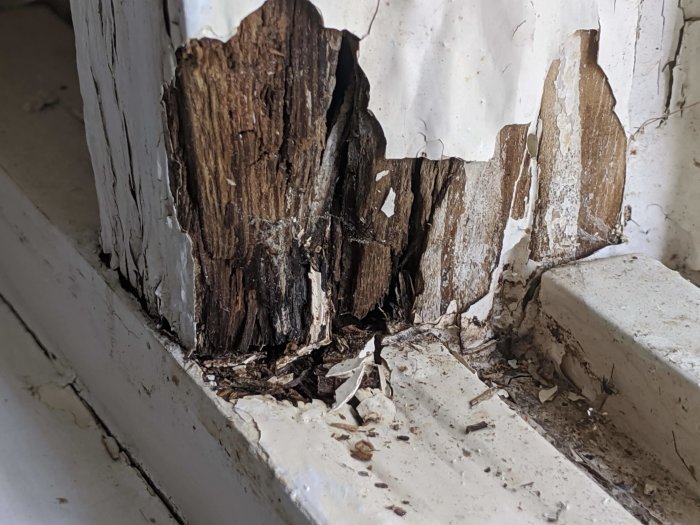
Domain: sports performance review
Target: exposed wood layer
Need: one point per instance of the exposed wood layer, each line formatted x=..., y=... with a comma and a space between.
x=466, y=232
x=279, y=178
x=603, y=154
x=297, y=218
x=581, y=159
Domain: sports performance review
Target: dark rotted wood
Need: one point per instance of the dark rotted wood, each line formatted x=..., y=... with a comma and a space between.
x=274, y=163
x=248, y=126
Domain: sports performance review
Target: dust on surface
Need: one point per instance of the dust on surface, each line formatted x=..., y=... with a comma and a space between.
x=585, y=435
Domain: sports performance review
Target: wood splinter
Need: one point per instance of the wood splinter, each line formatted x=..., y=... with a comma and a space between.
x=477, y=426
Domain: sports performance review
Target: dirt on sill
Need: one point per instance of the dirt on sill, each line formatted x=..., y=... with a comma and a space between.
x=586, y=436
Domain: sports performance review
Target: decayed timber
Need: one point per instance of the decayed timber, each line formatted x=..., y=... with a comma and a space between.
x=279, y=178
x=298, y=220
x=466, y=232
x=576, y=177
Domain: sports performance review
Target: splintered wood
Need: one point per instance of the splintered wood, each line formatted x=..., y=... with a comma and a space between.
x=581, y=172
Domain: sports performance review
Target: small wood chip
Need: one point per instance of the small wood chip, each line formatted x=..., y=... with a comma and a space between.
x=342, y=437
x=397, y=510
x=486, y=394
x=477, y=426
x=345, y=426
x=362, y=450
x=547, y=394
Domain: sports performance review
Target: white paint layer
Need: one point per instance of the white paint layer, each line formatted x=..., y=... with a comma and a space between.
x=56, y=467
x=663, y=171
x=123, y=69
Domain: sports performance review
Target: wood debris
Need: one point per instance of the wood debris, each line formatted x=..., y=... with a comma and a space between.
x=547, y=394
x=477, y=426
x=397, y=510
x=362, y=450
x=486, y=394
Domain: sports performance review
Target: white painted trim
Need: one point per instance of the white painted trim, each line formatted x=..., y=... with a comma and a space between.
x=632, y=324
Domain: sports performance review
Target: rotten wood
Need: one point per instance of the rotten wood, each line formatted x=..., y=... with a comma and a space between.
x=279, y=178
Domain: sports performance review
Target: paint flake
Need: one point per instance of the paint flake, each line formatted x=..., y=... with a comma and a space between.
x=389, y=203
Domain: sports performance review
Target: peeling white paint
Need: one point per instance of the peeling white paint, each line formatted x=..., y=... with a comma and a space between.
x=389, y=203
x=354, y=369
x=663, y=188
x=122, y=73
x=564, y=196
x=381, y=175
x=219, y=19
x=485, y=60
x=319, y=332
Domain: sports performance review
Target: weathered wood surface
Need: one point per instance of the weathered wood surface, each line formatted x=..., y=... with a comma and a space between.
x=299, y=221
x=581, y=159
x=466, y=233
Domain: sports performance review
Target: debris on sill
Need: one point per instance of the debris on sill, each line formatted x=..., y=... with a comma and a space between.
x=547, y=394
x=348, y=384
x=384, y=445
x=582, y=432
x=332, y=373
x=353, y=370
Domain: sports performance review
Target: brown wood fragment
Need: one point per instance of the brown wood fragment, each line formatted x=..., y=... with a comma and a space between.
x=486, y=394
x=464, y=241
x=345, y=426
x=362, y=450
x=397, y=510
x=603, y=153
x=477, y=426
